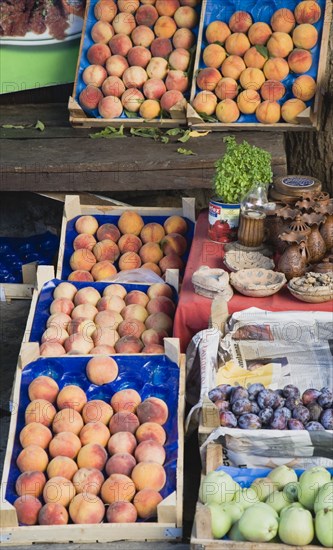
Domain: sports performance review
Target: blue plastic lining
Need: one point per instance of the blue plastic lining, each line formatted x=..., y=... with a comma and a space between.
x=45, y=299
x=71, y=233
x=262, y=10
x=151, y=376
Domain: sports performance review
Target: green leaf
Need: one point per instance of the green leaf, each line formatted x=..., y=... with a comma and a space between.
x=164, y=139
x=150, y=133
x=175, y=132
x=11, y=126
x=109, y=133
x=130, y=114
x=40, y=125
x=262, y=50
x=207, y=118
x=185, y=137
x=186, y=152
x=219, y=43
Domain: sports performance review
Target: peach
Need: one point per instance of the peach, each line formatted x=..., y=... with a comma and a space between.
x=217, y=31
x=304, y=87
x=131, y=327
x=82, y=326
x=102, y=350
x=41, y=411
x=153, y=349
x=146, y=15
x=124, y=23
x=153, y=409
x=291, y=109
x=115, y=290
x=86, y=224
x=307, y=11
x=59, y=319
x=116, y=65
x=84, y=311
x=128, y=6
x=192, y=3
x=152, y=232
x=31, y=483
x=129, y=260
x=300, y=61
x=157, y=68
x=86, y=509
x=62, y=305
x=305, y=36
x=125, y=400
x=134, y=311
x=65, y=444
x=150, y=109
x=82, y=259
x=102, y=271
x=33, y=458
x=213, y=55
x=177, y=80
x=105, y=10
x=88, y=480
x=153, y=337
x=170, y=99
x=183, y=38
x=65, y=290
x=165, y=27
x=94, y=75
x=102, y=32
x=97, y=410
x=59, y=489
x=252, y=79
x=92, y=455
x=154, y=88
x=253, y=58
x=101, y=370
x=120, y=463
x=259, y=33
x=62, y=466
x=161, y=304
x=35, y=434
x=136, y=297
x=151, y=252
x=111, y=302
x=67, y=420
x=139, y=56
x=71, y=397
x=151, y=431
x=227, y=88
x=94, y=432
x=120, y=44
x=233, y=66
x=110, y=107
x=53, y=513
x=150, y=451
x=205, y=102
x=84, y=240
x=108, y=318
x=268, y=112
x=273, y=90
x=152, y=267
x=167, y=7
x=27, y=509
x=174, y=243
x=105, y=336
x=240, y=21
x=237, y=44
x=130, y=222
x=142, y=36
x=81, y=275
x=87, y=295
x=186, y=17
x=128, y=344
x=43, y=387
x=146, y=501
x=51, y=349
x=116, y=488
x=208, y=79
x=175, y=224
x=124, y=421
x=122, y=442
x=280, y=44
x=121, y=512
x=98, y=54
x=148, y=475
x=283, y=20
x=114, y=86
x=171, y=261
x=248, y=101
x=56, y=333
x=159, y=289
x=180, y=59
x=89, y=99
x=276, y=68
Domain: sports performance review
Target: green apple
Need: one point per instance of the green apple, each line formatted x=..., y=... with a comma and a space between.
x=217, y=487
x=309, y=484
x=264, y=486
x=221, y=521
x=324, y=526
x=258, y=527
x=282, y=475
x=296, y=527
x=246, y=497
x=291, y=507
x=291, y=490
x=234, y=510
x=235, y=534
x=263, y=507
x=278, y=500
x=324, y=498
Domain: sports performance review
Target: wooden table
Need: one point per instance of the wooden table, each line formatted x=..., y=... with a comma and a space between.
x=62, y=158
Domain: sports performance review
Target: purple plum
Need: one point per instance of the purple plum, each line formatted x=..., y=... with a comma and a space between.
x=314, y=426
x=315, y=410
x=310, y=395
x=291, y=403
x=267, y=398
x=291, y=391
x=326, y=418
x=249, y=421
x=301, y=413
x=241, y=406
x=325, y=399
x=255, y=409
x=228, y=419
x=279, y=421
x=266, y=415
x=220, y=392
x=238, y=393
x=253, y=390
x=222, y=405
x=280, y=400
x=294, y=424
x=285, y=410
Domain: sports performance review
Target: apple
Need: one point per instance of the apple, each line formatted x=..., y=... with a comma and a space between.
x=234, y=510
x=296, y=527
x=235, y=534
x=221, y=521
x=291, y=507
x=309, y=484
x=282, y=475
x=323, y=525
x=264, y=486
x=278, y=500
x=246, y=497
x=258, y=526
x=217, y=488
x=263, y=507
x=324, y=498
x=291, y=490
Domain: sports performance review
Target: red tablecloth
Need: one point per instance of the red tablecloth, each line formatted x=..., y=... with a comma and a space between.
x=193, y=311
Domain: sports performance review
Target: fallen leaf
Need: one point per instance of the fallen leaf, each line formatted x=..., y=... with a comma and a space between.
x=186, y=152
x=40, y=125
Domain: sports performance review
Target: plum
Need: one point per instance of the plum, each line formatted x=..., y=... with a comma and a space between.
x=267, y=398
x=266, y=415
x=228, y=420
x=279, y=421
x=301, y=413
x=314, y=426
x=310, y=395
x=315, y=410
x=325, y=399
x=222, y=405
x=294, y=424
x=253, y=390
x=291, y=391
x=326, y=418
x=255, y=409
x=292, y=402
x=220, y=392
x=238, y=393
x=286, y=412
x=241, y=406
x=249, y=421
x=280, y=400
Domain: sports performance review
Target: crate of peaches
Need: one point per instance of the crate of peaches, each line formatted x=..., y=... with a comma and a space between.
x=260, y=64
x=95, y=441
x=135, y=63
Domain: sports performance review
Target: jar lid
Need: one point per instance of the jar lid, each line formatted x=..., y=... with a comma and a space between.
x=295, y=185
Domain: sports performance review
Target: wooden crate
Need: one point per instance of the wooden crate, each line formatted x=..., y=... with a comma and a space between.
x=309, y=119
x=169, y=513
x=20, y=291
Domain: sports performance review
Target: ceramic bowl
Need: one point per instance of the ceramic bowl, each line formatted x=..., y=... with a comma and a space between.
x=236, y=260
x=257, y=282
x=312, y=297
x=303, y=288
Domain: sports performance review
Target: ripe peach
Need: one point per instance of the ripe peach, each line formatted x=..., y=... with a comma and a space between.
x=131, y=100
x=115, y=290
x=120, y=44
x=150, y=451
x=152, y=232
x=43, y=387
x=116, y=65
x=159, y=289
x=110, y=107
x=276, y=68
x=31, y=483
x=65, y=444
x=27, y=509
x=128, y=6
x=139, y=56
x=248, y=101
x=35, y=434
x=84, y=240
x=183, y=38
x=59, y=489
x=240, y=21
x=142, y=36
x=122, y=442
x=153, y=409
x=152, y=267
x=67, y=420
x=128, y=344
x=82, y=259
x=305, y=36
x=121, y=512
x=89, y=99
x=146, y=15
x=98, y=54
x=124, y=23
x=217, y=31
x=161, y=304
x=177, y=80
x=82, y=326
x=114, y=86
x=192, y=3
x=62, y=466
x=120, y=463
x=117, y=487
x=72, y=397
x=94, y=432
x=283, y=20
x=150, y=109
x=65, y=290
x=237, y=44
x=252, y=79
x=88, y=480
x=102, y=370
x=149, y=475
x=280, y=44
x=151, y=252
x=33, y=458
x=94, y=75
x=165, y=27
x=129, y=260
x=167, y=7
x=154, y=88
x=54, y=333
x=59, y=319
x=106, y=250
x=102, y=350
x=86, y=224
x=86, y=509
x=254, y=59
x=205, y=102
x=102, y=32
x=53, y=513
x=84, y=311
x=153, y=349
x=307, y=11
x=81, y=275
x=151, y=431
x=170, y=99
x=135, y=311
x=226, y=88
x=291, y=109
x=268, y=112
x=105, y=336
x=175, y=224
x=111, y=302
x=233, y=66
x=125, y=400
x=174, y=243
x=124, y=421
x=105, y=10
x=108, y=318
x=51, y=349
x=102, y=271
x=146, y=501
x=62, y=305
x=136, y=297
x=208, y=79
x=157, y=68
x=300, y=61
x=304, y=87
x=186, y=17
x=259, y=33
x=130, y=222
x=151, y=336
x=41, y=411
x=97, y=410
x=213, y=55
x=87, y=295
x=131, y=327
x=180, y=59
x=161, y=47
x=273, y=90
x=92, y=455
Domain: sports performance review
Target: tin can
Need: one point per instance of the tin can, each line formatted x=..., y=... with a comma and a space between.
x=223, y=221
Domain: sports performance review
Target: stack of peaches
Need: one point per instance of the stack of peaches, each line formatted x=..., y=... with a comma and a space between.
x=132, y=245
x=140, y=57
x=83, y=322
x=248, y=63
x=90, y=461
